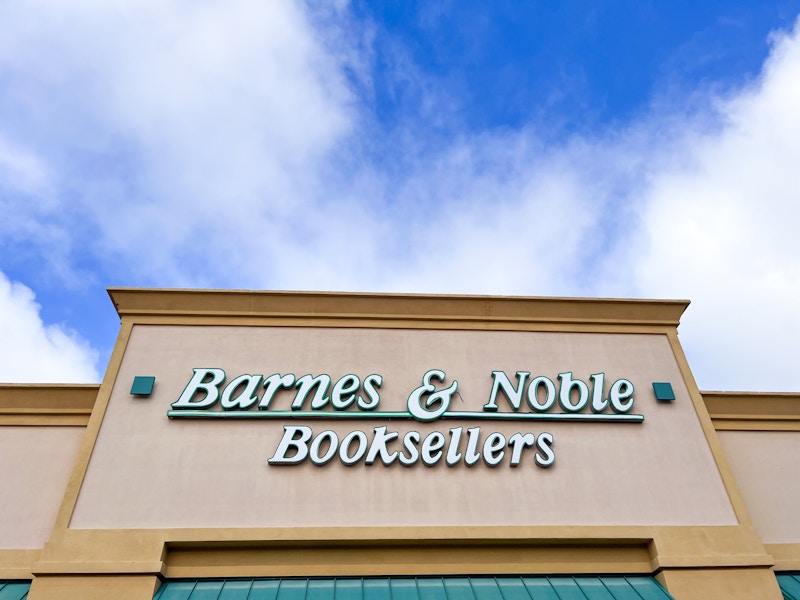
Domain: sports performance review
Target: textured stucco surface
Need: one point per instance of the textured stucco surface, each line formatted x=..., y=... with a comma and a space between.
x=35, y=465
x=766, y=465
x=148, y=471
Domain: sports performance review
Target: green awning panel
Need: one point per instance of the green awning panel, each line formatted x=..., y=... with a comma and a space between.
x=14, y=590
x=411, y=588
x=790, y=585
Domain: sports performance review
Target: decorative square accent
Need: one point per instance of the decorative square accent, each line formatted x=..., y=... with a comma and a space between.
x=142, y=386
x=664, y=392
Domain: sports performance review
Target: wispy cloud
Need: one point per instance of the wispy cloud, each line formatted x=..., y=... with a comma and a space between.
x=721, y=220
x=185, y=146
x=173, y=132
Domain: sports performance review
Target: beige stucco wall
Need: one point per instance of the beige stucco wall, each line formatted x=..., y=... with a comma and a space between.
x=148, y=471
x=766, y=465
x=35, y=465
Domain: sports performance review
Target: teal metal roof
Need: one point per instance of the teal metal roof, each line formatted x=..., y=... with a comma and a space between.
x=14, y=590
x=422, y=588
x=790, y=585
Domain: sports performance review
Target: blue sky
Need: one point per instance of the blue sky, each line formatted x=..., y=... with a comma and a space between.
x=576, y=149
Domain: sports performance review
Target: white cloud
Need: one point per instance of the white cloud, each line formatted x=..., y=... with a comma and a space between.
x=20, y=171
x=33, y=352
x=177, y=133
x=721, y=228
x=177, y=144
x=703, y=207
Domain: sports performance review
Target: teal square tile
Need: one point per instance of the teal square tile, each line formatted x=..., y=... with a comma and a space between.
x=142, y=386
x=664, y=391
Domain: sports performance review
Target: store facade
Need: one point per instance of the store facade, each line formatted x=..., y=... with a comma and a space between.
x=396, y=446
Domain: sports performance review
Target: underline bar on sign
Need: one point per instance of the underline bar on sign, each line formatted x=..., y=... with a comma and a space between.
x=346, y=415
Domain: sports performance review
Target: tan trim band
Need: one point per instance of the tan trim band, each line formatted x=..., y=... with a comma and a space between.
x=252, y=552
x=422, y=559
x=728, y=479
x=396, y=551
x=37, y=404
x=18, y=564
x=92, y=430
x=393, y=307
x=787, y=556
x=736, y=411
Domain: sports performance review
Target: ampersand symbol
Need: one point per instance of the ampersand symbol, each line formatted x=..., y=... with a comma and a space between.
x=422, y=411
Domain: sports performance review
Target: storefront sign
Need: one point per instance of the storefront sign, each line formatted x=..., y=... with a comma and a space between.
x=539, y=398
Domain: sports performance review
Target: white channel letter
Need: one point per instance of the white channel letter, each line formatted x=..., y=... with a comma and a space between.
x=333, y=444
x=599, y=403
x=410, y=440
x=549, y=393
x=453, y=455
x=343, y=394
x=544, y=445
x=198, y=384
x=471, y=455
x=518, y=442
x=370, y=383
x=290, y=440
x=378, y=446
x=441, y=397
x=305, y=384
x=493, y=449
x=621, y=389
x=246, y=398
x=500, y=381
x=345, y=446
x=567, y=384
x=432, y=448
x=271, y=385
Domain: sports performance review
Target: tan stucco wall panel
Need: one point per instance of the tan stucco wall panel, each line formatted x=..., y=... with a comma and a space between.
x=35, y=465
x=766, y=465
x=148, y=471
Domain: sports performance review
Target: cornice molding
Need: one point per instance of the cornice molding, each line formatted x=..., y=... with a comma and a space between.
x=333, y=306
x=47, y=404
x=753, y=411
